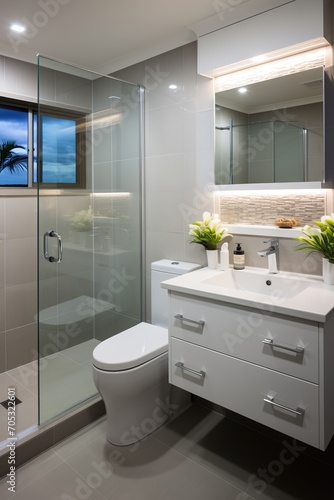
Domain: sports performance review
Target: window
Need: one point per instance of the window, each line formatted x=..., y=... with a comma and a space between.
x=13, y=147
x=62, y=137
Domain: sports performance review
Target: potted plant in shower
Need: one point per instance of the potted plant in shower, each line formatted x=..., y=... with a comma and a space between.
x=82, y=223
x=210, y=233
x=83, y=220
x=320, y=240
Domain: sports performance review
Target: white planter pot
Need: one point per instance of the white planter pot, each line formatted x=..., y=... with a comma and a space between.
x=212, y=256
x=327, y=272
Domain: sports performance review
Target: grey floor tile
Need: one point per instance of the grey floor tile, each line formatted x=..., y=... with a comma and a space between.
x=27, y=376
x=219, y=444
x=81, y=439
x=147, y=470
x=30, y=473
x=199, y=455
x=63, y=383
x=43, y=477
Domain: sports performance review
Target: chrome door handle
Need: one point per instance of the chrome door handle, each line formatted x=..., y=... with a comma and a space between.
x=50, y=258
x=200, y=373
x=271, y=401
x=297, y=350
x=187, y=320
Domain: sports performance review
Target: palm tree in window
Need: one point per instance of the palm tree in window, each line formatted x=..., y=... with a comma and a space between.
x=12, y=159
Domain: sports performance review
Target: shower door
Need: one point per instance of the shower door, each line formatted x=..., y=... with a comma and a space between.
x=88, y=173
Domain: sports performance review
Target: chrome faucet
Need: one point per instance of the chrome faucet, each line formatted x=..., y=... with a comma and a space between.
x=272, y=253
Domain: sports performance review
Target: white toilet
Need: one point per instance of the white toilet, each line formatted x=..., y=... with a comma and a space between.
x=130, y=369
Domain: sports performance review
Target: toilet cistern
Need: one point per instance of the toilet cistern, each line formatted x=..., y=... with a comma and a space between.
x=272, y=253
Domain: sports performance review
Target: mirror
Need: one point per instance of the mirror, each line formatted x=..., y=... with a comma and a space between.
x=271, y=133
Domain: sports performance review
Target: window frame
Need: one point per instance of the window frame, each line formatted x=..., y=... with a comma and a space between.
x=33, y=112
x=15, y=106
x=80, y=119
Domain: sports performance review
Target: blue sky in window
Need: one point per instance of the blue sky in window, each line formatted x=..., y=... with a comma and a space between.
x=14, y=127
x=59, y=150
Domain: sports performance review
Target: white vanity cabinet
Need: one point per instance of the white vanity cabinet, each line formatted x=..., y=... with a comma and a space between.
x=275, y=369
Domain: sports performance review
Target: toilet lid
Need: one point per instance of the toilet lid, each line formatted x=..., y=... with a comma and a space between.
x=131, y=347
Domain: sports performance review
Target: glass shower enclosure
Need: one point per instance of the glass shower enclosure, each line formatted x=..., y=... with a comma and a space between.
x=265, y=151
x=90, y=258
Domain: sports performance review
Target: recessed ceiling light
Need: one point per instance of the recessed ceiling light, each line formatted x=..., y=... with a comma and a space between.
x=242, y=90
x=172, y=87
x=19, y=28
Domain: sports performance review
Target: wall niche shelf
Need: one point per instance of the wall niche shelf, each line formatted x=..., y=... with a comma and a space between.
x=266, y=231
x=270, y=186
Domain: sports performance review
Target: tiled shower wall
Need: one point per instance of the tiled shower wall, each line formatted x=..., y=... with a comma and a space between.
x=18, y=280
x=263, y=209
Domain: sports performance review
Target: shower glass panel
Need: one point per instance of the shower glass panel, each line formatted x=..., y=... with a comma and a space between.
x=272, y=151
x=290, y=152
x=88, y=174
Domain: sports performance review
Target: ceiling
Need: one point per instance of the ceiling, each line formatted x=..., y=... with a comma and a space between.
x=102, y=35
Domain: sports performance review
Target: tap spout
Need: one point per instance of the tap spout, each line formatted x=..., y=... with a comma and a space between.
x=273, y=248
x=272, y=253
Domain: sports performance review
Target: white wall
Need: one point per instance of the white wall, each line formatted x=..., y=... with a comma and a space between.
x=179, y=156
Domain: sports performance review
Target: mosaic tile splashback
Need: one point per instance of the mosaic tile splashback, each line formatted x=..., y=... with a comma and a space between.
x=261, y=209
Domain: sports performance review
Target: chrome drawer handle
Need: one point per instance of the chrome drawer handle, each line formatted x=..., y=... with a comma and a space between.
x=181, y=318
x=271, y=401
x=200, y=373
x=297, y=350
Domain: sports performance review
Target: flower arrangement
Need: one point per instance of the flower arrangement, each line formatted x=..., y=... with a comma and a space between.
x=209, y=232
x=319, y=239
x=83, y=220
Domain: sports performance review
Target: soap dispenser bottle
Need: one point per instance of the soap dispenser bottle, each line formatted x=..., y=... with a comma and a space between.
x=224, y=257
x=239, y=257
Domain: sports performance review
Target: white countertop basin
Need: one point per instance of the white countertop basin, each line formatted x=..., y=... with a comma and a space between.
x=277, y=286
x=302, y=296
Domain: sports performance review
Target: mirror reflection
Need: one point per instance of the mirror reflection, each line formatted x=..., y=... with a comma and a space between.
x=271, y=132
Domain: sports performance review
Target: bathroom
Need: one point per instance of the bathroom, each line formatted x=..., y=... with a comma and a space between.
x=185, y=154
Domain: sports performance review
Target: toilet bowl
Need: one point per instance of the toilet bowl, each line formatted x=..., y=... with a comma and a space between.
x=130, y=369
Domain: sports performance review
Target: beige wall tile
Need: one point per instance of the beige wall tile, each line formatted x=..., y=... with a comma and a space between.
x=2, y=310
x=21, y=261
x=21, y=305
x=21, y=345
x=20, y=217
x=2, y=264
x=2, y=352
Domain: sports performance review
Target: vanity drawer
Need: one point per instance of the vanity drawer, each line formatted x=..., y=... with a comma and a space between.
x=275, y=342
x=242, y=387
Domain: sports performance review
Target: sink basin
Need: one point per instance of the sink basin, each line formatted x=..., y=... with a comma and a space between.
x=275, y=286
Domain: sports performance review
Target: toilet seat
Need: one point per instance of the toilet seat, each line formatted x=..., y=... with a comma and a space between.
x=131, y=347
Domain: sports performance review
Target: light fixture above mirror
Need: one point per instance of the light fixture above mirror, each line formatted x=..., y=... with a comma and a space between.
x=296, y=63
